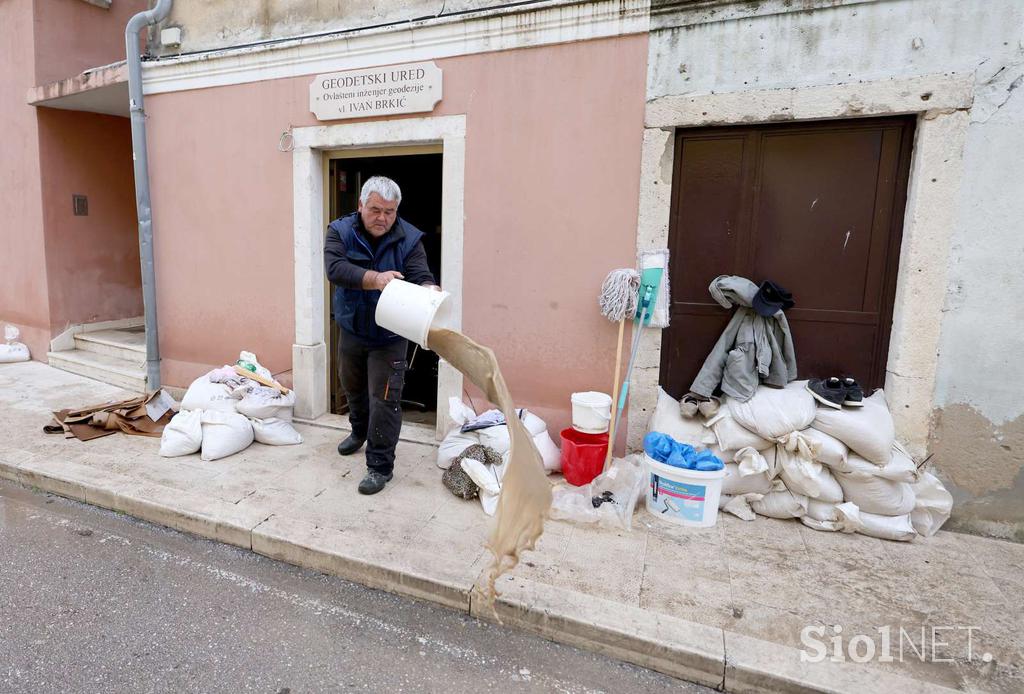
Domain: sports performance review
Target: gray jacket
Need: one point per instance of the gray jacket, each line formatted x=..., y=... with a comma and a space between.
x=750, y=350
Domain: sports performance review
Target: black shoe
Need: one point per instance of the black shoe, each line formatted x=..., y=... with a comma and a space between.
x=374, y=482
x=350, y=445
x=828, y=391
x=854, y=393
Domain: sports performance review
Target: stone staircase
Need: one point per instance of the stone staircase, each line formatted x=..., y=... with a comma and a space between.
x=114, y=356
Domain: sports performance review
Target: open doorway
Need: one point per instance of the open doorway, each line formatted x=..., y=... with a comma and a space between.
x=418, y=172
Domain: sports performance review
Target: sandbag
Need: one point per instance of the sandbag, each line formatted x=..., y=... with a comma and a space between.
x=874, y=494
x=781, y=504
x=183, y=435
x=897, y=528
x=224, y=434
x=668, y=420
x=932, y=505
x=13, y=351
x=842, y=518
x=260, y=402
x=736, y=483
x=549, y=452
x=900, y=468
x=275, y=432
x=775, y=412
x=753, y=462
x=203, y=394
x=739, y=505
x=498, y=439
x=455, y=442
x=730, y=435
x=808, y=477
x=868, y=431
x=828, y=449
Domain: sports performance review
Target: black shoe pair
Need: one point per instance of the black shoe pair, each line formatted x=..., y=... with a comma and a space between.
x=836, y=392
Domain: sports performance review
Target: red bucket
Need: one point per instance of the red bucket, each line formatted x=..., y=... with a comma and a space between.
x=582, y=455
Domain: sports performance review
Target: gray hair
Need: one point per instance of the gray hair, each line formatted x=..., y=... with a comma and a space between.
x=384, y=187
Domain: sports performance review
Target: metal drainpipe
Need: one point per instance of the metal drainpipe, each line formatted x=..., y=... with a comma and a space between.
x=138, y=117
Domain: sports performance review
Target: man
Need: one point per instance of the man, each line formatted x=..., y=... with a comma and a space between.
x=364, y=251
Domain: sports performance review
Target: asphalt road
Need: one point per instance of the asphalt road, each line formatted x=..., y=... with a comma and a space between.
x=93, y=601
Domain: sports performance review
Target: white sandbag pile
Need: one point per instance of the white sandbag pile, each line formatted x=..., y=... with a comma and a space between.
x=11, y=350
x=223, y=412
x=836, y=470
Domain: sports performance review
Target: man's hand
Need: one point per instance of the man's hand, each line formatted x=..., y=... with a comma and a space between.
x=379, y=280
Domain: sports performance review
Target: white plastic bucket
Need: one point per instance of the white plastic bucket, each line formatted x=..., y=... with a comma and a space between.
x=591, y=412
x=411, y=311
x=686, y=497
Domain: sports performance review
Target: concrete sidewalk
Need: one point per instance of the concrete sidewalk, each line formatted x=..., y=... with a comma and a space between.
x=724, y=606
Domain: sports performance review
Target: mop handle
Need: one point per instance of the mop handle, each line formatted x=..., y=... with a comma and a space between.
x=632, y=361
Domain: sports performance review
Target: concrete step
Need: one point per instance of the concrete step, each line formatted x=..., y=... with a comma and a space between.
x=127, y=344
x=101, y=367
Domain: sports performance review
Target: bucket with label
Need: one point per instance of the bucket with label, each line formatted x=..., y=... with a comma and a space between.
x=591, y=412
x=686, y=497
x=411, y=311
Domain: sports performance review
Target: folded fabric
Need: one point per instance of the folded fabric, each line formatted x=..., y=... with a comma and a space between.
x=665, y=449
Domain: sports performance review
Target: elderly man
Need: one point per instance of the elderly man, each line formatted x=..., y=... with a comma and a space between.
x=364, y=251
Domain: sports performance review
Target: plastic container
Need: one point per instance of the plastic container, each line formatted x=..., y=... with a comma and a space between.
x=591, y=412
x=582, y=456
x=411, y=311
x=686, y=497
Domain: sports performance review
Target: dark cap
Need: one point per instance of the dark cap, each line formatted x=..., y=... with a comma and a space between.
x=771, y=298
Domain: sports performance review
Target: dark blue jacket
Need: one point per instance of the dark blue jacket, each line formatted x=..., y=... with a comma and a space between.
x=348, y=254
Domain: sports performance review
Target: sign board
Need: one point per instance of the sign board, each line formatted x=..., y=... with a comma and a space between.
x=382, y=91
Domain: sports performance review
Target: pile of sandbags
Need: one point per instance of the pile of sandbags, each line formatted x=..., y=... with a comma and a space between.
x=223, y=412
x=835, y=470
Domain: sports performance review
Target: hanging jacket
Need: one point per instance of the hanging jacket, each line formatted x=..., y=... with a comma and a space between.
x=348, y=255
x=752, y=349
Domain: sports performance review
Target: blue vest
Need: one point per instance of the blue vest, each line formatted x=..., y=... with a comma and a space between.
x=354, y=309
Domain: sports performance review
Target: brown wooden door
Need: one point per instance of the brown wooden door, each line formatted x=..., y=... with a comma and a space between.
x=816, y=207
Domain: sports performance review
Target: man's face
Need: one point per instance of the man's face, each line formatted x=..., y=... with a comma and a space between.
x=378, y=214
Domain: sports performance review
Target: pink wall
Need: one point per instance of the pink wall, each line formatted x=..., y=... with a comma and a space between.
x=72, y=36
x=22, y=259
x=552, y=167
x=92, y=261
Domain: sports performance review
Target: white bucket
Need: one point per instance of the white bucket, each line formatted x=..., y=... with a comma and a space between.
x=591, y=412
x=411, y=311
x=686, y=497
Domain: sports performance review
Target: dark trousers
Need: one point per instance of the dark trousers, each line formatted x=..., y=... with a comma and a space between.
x=372, y=377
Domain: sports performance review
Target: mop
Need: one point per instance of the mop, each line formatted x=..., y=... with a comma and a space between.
x=618, y=300
x=652, y=309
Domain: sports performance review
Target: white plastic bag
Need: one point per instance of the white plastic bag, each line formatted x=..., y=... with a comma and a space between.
x=868, y=431
x=668, y=420
x=488, y=479
x=624, y=479
x=782, y=504
x=455, y=442
x=224, y=434
x=203, y=394
x=932, y=506
x=877, y=495
x=549, y=452
x=775, y=412
x=183, y=434
x=250, y=358
x=275, y=432
x=730, y=435
x=13, y=351
x=260, y=402
x=842, y=518
x=897, y=528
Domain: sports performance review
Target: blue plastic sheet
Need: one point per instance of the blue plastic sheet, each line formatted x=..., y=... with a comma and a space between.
x=667, y=450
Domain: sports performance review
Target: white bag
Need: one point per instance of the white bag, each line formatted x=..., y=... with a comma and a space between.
x=224, y=434
x=735, y=482
x=13, y=351
x=275, y=432
x=808, y=477
x=782, y=504
x=668, y=420
x=730, y=435
x=260, y=402
x=843, y=518
x=183, y=434
x=488, y=479
x=877, y=494
x=775, y=412
x=625, y=479
x=739, y=505
x=754, y=462
x=900, y=468
x=868, y=431
x=549, y=452
x=206, y=395
x=828, y=449
x=932, y=506
x=887, y=527
x=455, y=442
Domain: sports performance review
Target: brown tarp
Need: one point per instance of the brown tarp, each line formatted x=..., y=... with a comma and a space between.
x=92, y=422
